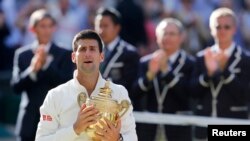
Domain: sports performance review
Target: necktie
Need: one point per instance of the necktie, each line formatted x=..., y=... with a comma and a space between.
x=169, y=62
x=106, y=52
x=169, y=65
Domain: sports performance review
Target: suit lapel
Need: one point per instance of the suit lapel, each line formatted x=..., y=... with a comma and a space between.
x=107, y=58
x=176, y=62
x=231, y=58
x=53, y=49
x=115, y=54
x=234, y=60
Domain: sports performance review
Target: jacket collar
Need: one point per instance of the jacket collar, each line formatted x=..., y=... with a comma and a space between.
x=100, y=83
x=228, y=51
x=174, y=56
x=35, y=44
x=111, y=46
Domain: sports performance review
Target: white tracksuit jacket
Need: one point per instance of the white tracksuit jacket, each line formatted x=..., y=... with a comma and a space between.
x=60, y=109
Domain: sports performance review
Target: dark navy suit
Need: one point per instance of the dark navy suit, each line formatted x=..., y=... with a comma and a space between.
x=59, y=71
x=172, y=88
x=225, y=94
x=121, y=64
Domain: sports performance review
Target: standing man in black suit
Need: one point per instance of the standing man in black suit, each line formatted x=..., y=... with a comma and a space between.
x=38, y=67
x=121, y=58
x=221, y=76
x=164, y=79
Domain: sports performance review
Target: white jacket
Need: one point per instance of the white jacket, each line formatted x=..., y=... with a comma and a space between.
x=60, y=109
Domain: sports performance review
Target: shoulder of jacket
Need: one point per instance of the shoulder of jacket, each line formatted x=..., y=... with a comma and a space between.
x=190, y=57
x=23, y=49
x=146, y=58
x=200, y=53
x=117, y=87
x=60, y=46
x=128, y=46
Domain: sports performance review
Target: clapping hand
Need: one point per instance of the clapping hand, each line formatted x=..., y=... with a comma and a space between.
x=215, y=60
x=158, y=62
x=39, y=59
x=210, y=61
x=222, y=59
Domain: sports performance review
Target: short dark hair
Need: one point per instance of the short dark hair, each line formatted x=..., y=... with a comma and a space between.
x=39, y=15
x=111, y=12
x=87, y=34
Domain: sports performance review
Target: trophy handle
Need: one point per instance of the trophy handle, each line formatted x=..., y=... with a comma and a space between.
x=82, y=97
x=123, y=107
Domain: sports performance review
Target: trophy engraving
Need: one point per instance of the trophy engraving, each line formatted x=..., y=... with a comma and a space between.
x=108, y=107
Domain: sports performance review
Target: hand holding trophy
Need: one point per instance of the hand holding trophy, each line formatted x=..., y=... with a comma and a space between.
x=109, y=109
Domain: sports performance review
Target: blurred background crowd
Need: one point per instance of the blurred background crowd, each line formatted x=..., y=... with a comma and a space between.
x=139, y=20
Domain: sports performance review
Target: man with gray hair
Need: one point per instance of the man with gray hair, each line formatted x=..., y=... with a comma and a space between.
x=221, y=76
x=163, y=79
x=38, y=67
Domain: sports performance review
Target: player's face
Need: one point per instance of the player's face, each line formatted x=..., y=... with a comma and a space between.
x=87, y=57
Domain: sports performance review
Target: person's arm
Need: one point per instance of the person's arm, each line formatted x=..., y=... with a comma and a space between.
x=144, y=82
x=22, y=78
x=49, y=125
x=128, y=131
x=130, y=70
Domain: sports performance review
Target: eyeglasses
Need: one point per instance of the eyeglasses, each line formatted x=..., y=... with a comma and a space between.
x=226, y=27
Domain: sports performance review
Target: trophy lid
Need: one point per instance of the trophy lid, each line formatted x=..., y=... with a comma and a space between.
x=106, y=90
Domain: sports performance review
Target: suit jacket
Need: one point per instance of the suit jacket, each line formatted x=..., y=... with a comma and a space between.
x=171, y=88
x=121, y=65
x=225, y=94
x=59, y=70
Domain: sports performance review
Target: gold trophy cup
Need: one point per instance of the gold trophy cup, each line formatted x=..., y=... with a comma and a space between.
x=108, y=107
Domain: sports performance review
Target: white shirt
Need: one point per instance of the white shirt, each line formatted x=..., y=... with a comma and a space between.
x=60, y=109
x=111, y=45
x=174, y=56
x=171, y=60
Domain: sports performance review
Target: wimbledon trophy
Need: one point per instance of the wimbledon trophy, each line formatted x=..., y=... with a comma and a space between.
x=108, y=107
